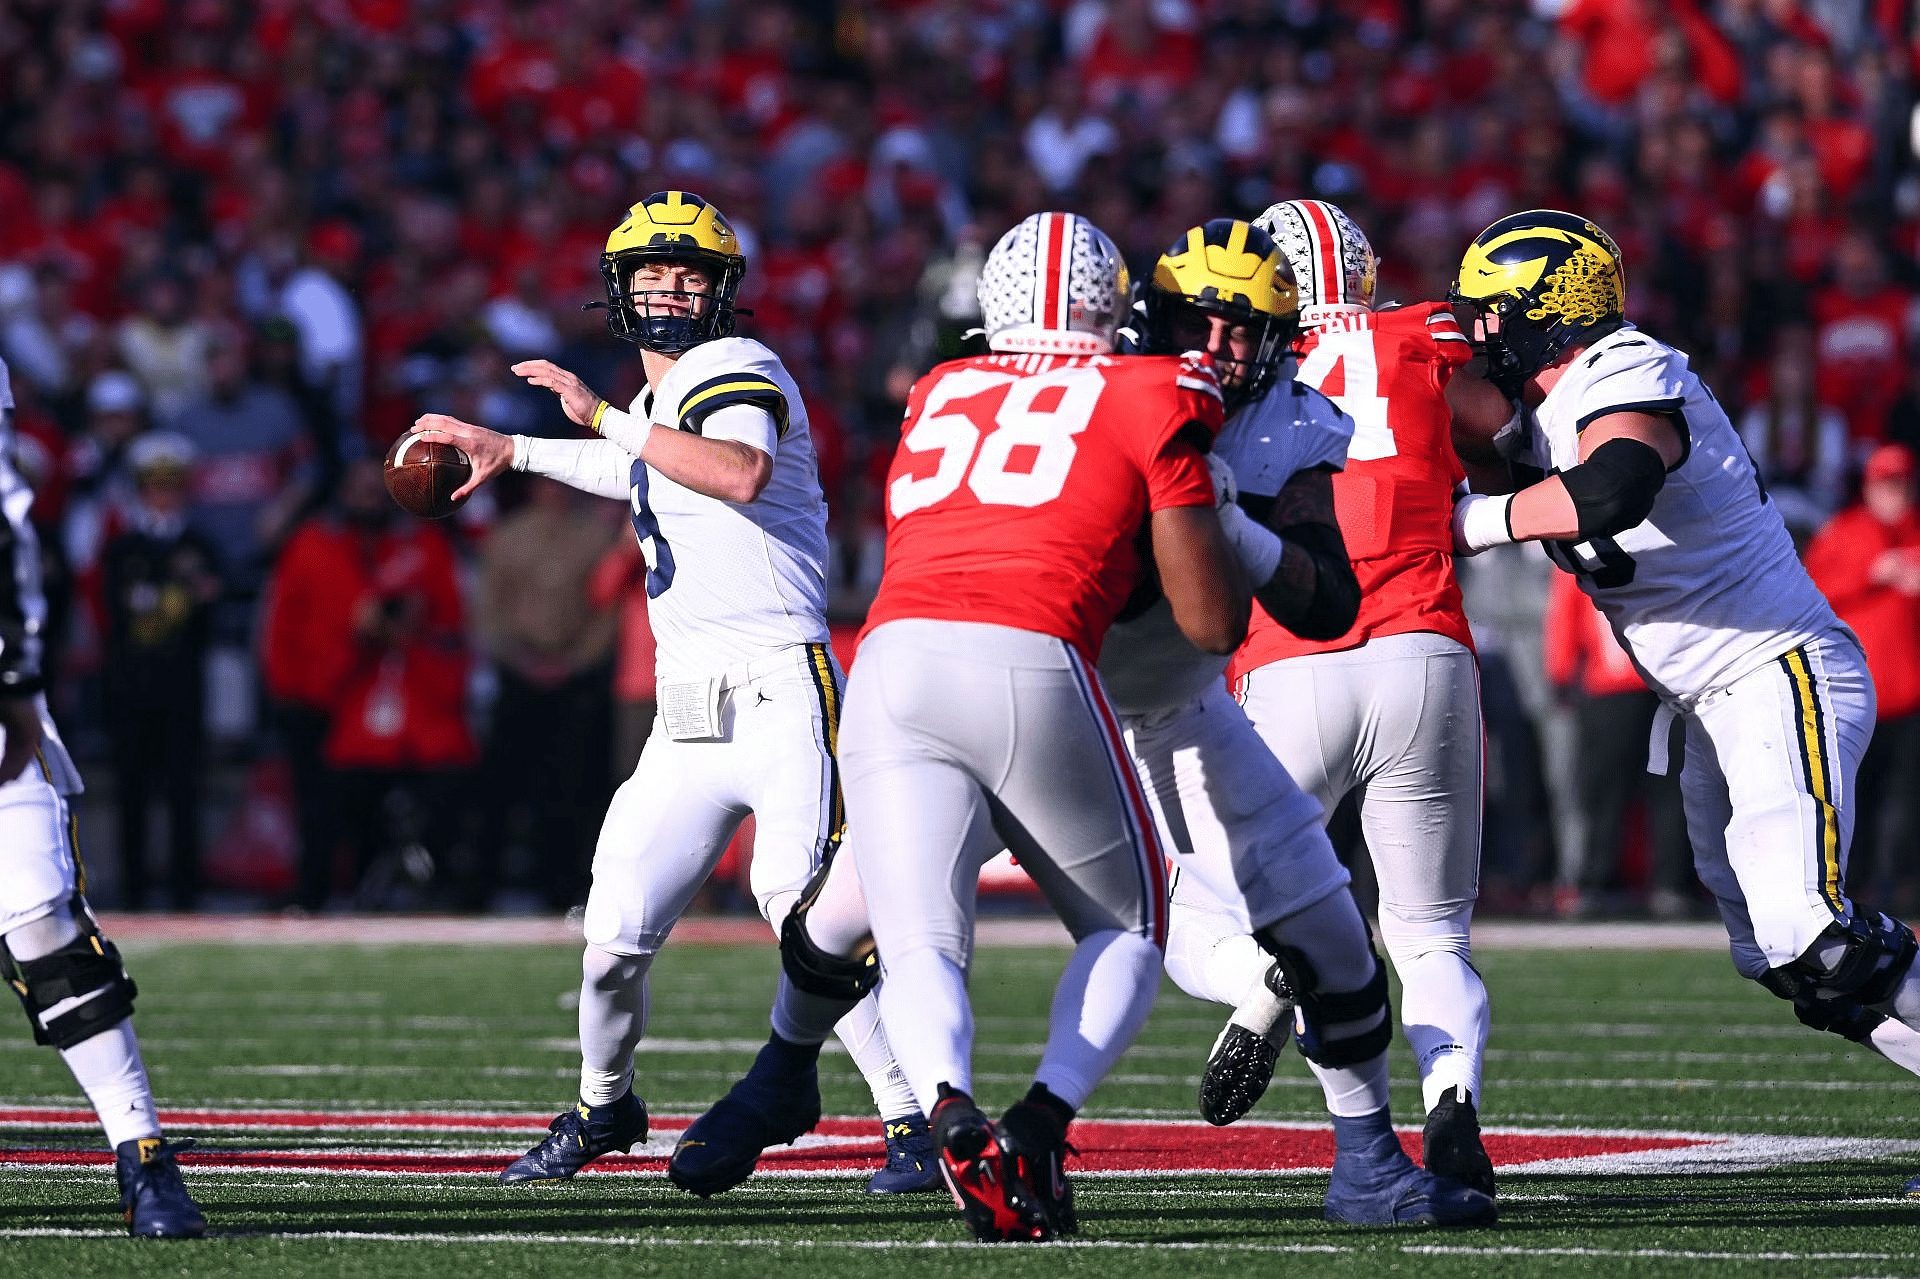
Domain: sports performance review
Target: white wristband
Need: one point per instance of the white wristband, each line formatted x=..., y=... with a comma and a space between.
x=1481, y=521
x=522, y=452
x=625, y=429
x=1258, y=547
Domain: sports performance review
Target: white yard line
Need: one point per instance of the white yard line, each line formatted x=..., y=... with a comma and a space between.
x=414, y=930
x=940, y=1245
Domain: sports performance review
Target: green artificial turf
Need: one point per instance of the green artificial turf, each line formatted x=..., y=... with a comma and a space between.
x=1666, y=1041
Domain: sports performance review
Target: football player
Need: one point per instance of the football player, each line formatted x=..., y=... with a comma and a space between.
x=715, y=461
x=1388, y=711
x=1625, y=467
x=975, y=719
x=78, y=997
x=1251, y=855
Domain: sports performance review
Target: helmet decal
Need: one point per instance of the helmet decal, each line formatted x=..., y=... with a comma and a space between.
x=1332, y=261
x=1232, y=270
x=679, y=227
x=1055, y=283
x=1554, y=280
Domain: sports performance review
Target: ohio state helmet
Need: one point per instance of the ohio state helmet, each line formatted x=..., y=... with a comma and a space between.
x=1333, y=265
x=1054, y=284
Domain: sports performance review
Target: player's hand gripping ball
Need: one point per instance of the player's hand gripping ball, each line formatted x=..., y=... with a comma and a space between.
x=423, y=474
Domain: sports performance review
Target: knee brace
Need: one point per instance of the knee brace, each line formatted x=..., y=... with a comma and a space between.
x=1864, y=960
x=816, y=972
x=89, y=968
x=1336, y=1030
x=1842, y=1017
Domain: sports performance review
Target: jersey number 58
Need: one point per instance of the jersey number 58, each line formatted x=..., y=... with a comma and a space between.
x=1008, y=439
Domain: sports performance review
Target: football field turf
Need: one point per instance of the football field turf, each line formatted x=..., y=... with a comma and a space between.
x=1652, y=1113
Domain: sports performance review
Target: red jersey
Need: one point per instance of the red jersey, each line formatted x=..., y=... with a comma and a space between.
x=1023, y=482
x=1388, y=370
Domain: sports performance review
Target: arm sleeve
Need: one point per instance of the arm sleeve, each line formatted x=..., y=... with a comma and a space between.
x=599, y=467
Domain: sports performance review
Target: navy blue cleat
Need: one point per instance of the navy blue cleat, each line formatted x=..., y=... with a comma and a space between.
x=1375, y=1184
x=579, y=1136
x=1451, y=1145
x=152, y=1196
x=775, y=1103
x=912, y=1163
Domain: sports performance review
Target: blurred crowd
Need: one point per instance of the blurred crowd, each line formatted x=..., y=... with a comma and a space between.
x=243, y=244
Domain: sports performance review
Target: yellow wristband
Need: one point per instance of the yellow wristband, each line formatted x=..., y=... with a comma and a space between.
x=599, y=411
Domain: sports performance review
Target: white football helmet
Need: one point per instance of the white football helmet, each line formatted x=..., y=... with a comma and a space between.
x=1333, y=265
x=1055, y=284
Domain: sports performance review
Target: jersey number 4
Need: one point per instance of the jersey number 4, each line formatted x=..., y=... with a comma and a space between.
x=1348, y=373
x=1008, y=439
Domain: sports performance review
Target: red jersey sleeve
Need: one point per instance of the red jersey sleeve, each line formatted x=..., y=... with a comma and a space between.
x=1176, y=471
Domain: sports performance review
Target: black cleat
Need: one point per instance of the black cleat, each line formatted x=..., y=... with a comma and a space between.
x=981, y=1175
x=1036, y=1144
x=152, y=1196
x=578, y=1137
x=912, y=1163
x=773, y=1104
x=1241, y=1064
x=1451, y=1145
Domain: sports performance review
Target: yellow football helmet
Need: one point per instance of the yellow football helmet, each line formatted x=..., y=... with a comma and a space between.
x=672, y=226
x=1234, y=270
x=1553, y=279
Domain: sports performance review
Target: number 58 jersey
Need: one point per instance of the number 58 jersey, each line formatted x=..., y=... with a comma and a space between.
x=1023, y=484
x=1708, y=587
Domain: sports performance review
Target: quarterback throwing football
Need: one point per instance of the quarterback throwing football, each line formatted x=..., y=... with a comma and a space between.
x=716, y=464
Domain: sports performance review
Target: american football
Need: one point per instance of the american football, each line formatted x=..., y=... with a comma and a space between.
x=423, y=475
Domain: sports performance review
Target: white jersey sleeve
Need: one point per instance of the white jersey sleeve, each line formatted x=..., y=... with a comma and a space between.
x=732, y=582
x=1708, y=588
x=1292, y=428
x=1147, y=663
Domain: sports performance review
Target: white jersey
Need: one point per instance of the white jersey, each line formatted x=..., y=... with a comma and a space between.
x=731, y=581
x=1147, y=664
x=1707, y=588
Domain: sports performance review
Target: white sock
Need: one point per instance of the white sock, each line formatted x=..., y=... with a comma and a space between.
x=866, y=1041
x=1208, y=957
x=1102, y=1000
x=1443, y=1008
x=613, y=1016
x=1898, y=1043
x=929, y=1022
x=108, y=1068
x=107, y=1065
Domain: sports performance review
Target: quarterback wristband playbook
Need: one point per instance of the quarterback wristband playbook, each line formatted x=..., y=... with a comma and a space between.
x=1481, y=521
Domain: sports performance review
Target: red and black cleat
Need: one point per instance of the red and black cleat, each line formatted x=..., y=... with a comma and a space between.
x=982, y=1177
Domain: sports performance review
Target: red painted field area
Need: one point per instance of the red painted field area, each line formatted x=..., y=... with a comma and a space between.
x=269, y=1139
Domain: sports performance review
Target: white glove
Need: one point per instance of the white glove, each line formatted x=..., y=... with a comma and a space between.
x=1480, y=521
x=1226, y=489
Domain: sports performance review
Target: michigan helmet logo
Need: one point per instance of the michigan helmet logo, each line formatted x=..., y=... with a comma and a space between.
x=1553, y=279
x=1232, y=270
x=681, y=228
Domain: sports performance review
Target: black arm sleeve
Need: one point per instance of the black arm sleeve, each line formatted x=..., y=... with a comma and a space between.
x=1330, y=611
x=1614, y=489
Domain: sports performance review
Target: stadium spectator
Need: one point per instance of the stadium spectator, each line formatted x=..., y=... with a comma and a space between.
x=1613, y=713
x=619, y=582
x=549, y=746
x=166, y=348
x=160, y=580
x=1864, y=325
x=1867, y=562
x=1798, y=442
x=252, y=469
